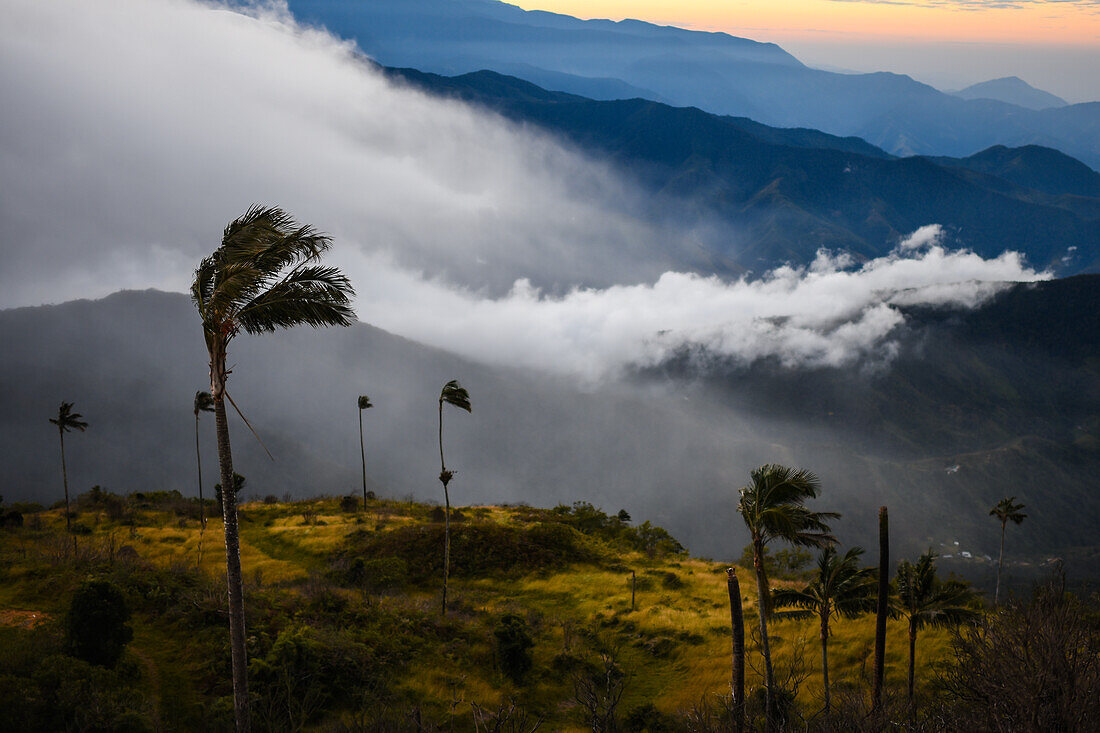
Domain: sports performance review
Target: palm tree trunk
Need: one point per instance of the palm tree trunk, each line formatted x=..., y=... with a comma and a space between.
x=363, y=456
x=446, y=546
x=883, y=605
x=198, y=461
x=232, y=553
x=447, y=515
x=761, y=602
x=737, y=626
x=825, y=656
x=1000, y=563
x=65, y=481
x=912, y=655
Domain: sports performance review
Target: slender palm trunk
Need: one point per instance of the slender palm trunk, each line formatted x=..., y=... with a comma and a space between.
x=232, y=551
x=912, y=655
x=443, y=478
x=737, y=626
x=761, y=602
x=363, y=456
x=825, y=655
x=65, y=481
x=1000, y=563
x=198, y=461
x=883, y=605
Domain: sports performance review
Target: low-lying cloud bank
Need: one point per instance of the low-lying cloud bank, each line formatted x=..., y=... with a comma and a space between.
x=133, y=130
x=828, y=314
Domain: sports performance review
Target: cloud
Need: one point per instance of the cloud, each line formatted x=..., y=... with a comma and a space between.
x=133, y=130
x=828, y=314
x=1091, y=5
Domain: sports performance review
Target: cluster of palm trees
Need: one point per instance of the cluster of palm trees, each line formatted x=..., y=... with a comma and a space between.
x=773, y=508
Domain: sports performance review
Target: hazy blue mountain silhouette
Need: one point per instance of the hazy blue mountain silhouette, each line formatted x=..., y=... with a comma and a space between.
x=1014, y=90
x=789, y=192
x=714, y=71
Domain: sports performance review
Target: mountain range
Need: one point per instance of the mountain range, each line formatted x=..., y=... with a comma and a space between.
x=716, y=72
x=980, y=404
x=782, y=194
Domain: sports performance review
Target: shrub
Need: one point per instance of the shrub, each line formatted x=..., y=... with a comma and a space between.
x=514, y=644
x=349, y=504
x=96, y=623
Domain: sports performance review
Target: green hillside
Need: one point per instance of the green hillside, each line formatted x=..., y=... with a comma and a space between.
x=345, y=630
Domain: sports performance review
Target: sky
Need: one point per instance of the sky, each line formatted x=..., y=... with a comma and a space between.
x=1054, y=45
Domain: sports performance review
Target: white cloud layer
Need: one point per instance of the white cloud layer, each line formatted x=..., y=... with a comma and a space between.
x=131, y=131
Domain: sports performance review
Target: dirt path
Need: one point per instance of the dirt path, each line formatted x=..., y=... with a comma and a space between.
x=22, y=619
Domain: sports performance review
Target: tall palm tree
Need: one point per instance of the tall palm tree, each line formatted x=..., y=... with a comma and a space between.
x=264, y=276
x=364, y=403
x=65, y=421
x=203, y=403
x=1006, y=509
x=453, y=394
x=840, y=588
x=737, y=627
x=926, y=601
x=772, y=506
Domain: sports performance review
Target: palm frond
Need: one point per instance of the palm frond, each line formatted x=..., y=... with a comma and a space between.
x=204, y=402
x=364, y=402
x=454, y=394
x=1008, y=510
x=68, y=420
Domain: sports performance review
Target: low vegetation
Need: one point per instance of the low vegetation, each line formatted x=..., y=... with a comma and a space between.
x=345, y=634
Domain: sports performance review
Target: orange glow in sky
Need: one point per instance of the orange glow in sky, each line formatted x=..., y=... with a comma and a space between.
x=1024, y=22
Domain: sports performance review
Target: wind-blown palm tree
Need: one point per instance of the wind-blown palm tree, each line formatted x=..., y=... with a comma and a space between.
x=452, y=394
x=926, y=601
x=1006, y=509
x=264, y=276
x=203, y=403
x=65, y=421
x=364, y=403
x=772, y=506
x=840, y=588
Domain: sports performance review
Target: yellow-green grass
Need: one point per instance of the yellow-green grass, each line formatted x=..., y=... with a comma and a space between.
x=675, y=644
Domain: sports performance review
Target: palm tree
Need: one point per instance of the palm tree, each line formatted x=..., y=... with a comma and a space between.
x=840, y=588
x=453, y=394
x=203, y=403
x=65, y=421
x=364, y=403
x=772, y=506
x=737, y=627
x=1006, y=509
x=264, y=276
x=926, y=601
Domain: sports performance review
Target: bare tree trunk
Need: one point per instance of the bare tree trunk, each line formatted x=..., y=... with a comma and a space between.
x=825, y=656
x=363, y=455
x=761, y=602
x=883, y=605
x=737, y=627
x=65, y=480
x=232, y=550
x=1000, y=563
x=912, y=655
x=198, y=460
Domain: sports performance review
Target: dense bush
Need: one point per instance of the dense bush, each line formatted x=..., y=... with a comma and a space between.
x=477, y=549
x=513, y=646
x=96, y=623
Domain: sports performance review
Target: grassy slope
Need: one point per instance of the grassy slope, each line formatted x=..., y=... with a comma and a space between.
x=675, y=646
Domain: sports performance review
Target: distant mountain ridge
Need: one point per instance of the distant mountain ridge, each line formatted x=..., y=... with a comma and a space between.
x=713, y=71
x=1009, y=393
x=790, y=192
x=1013, y=90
